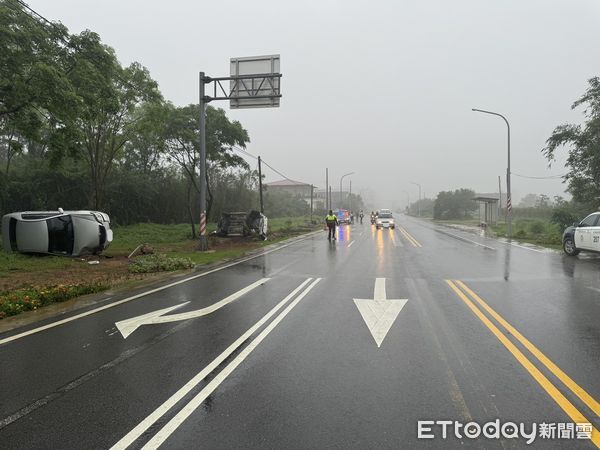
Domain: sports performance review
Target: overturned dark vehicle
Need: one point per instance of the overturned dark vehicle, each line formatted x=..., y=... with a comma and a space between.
x=242, y=224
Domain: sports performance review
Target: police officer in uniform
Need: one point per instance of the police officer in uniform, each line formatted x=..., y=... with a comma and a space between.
x=331, y=221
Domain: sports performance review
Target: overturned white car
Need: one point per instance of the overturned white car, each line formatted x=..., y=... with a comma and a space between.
x=67, y=233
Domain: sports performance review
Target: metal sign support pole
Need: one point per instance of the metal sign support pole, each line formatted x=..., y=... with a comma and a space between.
x=203, y=243
x=260, y=189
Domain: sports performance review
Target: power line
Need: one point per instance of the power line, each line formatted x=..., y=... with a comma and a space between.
x=245, y=152
x=65, y=41
x=551, y=177
x=24, y=5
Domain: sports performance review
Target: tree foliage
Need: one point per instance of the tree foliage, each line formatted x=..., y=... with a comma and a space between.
x=78, y=130
x=456, y=204
x=583, y=162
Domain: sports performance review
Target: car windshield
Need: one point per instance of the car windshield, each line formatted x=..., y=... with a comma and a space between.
x=590, y=220
x=385, y=216
x=60, y=235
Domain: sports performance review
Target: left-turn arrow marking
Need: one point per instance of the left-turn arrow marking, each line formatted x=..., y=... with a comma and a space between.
x=128, y=326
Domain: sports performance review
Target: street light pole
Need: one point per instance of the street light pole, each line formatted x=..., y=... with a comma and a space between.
x=508, y=196
x=341, y=179
x=419, y=203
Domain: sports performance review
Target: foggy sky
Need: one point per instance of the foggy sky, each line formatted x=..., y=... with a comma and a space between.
x=381, y=88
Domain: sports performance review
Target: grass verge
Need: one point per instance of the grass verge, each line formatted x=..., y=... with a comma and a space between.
x=23, y=278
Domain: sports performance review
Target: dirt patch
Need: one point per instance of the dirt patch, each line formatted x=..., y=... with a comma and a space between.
x=109, y=270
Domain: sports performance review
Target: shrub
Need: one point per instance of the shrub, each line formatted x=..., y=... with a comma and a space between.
x=564, y=217
x=159, y=263
x=536, y=228
x=27, y=299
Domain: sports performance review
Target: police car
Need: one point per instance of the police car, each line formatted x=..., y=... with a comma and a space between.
x=584, y=235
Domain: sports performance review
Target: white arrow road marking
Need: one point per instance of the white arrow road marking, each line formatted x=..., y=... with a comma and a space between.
x=128, y=326
x=380, y=313
x=163, y=409
x=152, y=291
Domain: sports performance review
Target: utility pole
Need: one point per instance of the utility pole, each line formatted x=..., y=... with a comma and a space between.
x=330, y=203
x=312, y=188
x=262, y=209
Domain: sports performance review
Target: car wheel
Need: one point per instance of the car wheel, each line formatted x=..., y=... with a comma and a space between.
x=569, y=247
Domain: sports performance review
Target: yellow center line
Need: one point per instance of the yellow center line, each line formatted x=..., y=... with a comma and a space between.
x=408, y=236
x=552, y=390
x=572, y=385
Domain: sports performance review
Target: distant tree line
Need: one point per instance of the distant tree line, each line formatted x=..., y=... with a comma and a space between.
x=80, y=131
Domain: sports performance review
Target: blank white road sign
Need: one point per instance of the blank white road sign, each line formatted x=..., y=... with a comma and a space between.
x=243, y=92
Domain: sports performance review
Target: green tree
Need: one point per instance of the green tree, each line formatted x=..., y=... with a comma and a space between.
x=583, y=162
x=109, y=96
x=183, y=146
x=34, y=83
x=456, y=204
x=146, y=150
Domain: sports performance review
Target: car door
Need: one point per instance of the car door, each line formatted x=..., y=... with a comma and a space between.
x=595, y=236
x=583, y=233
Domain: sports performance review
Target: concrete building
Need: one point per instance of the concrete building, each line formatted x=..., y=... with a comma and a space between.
x=295, y=188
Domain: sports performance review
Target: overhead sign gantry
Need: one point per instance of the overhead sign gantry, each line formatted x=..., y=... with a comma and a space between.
x=254, y=82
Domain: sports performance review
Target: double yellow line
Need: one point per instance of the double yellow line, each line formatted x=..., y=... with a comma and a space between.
x=469, y=297
x=408, y=237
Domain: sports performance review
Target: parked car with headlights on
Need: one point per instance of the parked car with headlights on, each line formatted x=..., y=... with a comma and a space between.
x=67, y=233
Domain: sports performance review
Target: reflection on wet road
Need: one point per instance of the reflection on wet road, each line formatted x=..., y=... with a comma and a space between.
x=349, y=344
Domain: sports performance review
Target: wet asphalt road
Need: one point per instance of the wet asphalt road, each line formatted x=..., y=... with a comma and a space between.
x=489, y=331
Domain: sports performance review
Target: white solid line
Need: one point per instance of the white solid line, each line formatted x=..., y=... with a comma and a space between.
x=141, y=428
x=188, y=409
x=462, y=238
x=350, y=244
x=526, y=248
x=143, y=294
x=593, y=288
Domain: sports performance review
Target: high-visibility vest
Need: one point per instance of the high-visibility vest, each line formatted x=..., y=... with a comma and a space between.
x=330, y=218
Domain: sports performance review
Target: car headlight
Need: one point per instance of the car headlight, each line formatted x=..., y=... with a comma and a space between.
x=379, y=221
